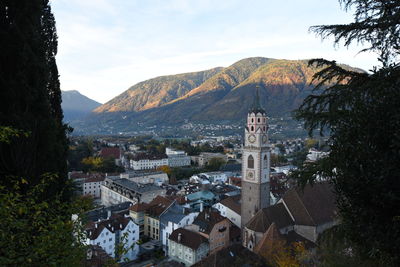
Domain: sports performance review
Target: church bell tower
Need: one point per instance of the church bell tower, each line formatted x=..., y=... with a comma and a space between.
x=255, y=162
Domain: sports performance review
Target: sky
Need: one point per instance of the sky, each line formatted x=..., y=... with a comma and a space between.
x=106, y=46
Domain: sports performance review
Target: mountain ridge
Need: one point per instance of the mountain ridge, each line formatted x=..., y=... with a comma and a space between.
x=214, y=95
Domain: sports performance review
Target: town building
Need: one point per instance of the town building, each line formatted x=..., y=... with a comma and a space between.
x=306, y=213
x=256, y=163
x=204, y=157
x=187, y=247
x=116, y=190
x=230, y=208
x=110, y=233
x=152, y=216
x=143, y=161
x=136, y=212
x=177, y=158
x=104, y=213
x=200, y=199
x=174, y=217
x=92, y=185
x=214, y=227
x=146, y=177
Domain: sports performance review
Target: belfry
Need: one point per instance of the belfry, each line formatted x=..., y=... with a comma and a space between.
x=255, y=162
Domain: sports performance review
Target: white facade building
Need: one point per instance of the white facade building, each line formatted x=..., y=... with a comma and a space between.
x=177, y=158
x=173, y=218
x=111, y=232
x=230, y=208
x=92, y=186
x=215, y=177
x=148, y=162
x=116, y=190
x=187, y=247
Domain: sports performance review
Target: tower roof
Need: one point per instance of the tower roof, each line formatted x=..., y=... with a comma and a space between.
x=256, y=106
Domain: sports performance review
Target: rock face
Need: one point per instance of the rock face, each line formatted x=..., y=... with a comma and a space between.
x=219, y=94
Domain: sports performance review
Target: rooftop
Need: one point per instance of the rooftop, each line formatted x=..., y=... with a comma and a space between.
x=187, y=238
x=263, y=219
x=136, y=187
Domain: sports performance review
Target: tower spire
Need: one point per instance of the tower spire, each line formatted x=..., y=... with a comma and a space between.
x=256, y=107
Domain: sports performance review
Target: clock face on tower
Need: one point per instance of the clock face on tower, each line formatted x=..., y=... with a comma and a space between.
x=264, y=139
x=250, y=175
x=252, y=138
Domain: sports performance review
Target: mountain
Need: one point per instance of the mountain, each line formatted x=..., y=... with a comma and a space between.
x=76, y=105
x=157, y=92
x=213, y=96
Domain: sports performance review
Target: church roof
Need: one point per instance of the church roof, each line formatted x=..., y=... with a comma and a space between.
x=314, y=205
x=271, y=236
x=263, y=219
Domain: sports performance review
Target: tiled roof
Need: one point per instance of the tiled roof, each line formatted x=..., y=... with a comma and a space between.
x=271, y=236
x=158, y=205
x=313, y=206
x=110, y=152
x=207, y=219
x=138, y=207
x=233, y=203
x=262, y=220
x=187, y=238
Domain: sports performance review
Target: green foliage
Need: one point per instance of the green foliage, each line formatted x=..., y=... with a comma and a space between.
x=335, y=250
x=77, y=153
x=360, y=110
x=215, y=164
x=36, y=229
x=99, y=164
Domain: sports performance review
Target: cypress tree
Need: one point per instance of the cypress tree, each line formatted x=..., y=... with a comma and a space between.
x=30, y=97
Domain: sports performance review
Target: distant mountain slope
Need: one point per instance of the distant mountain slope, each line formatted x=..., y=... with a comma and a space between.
x=157, y=91
x=217, y=95
x=76, y=105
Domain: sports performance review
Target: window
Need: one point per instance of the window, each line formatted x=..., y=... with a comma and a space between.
x=258, y=120
x=265, y=161
x=252, y=128
x=250, y=162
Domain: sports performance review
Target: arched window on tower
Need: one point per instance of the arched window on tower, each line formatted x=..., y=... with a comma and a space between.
x=250, y=162
x=252, y=128
x=265, y=162
x=258, y=120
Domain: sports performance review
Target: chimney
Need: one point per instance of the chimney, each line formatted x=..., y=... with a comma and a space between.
x=108, y=214
x=201, y=206
x=179, y=238
x=95, y=225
